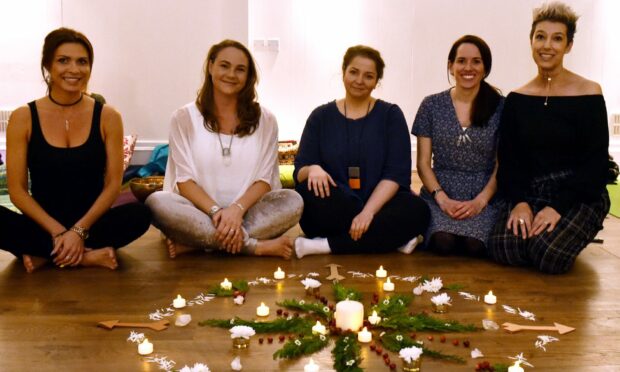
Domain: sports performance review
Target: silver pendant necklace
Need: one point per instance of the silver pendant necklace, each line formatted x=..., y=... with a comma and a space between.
x=226, y=151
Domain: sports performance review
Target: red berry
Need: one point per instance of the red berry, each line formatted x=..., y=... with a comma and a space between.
x=295, y=315
x=236, y=293
x=285, y=313
x=270, y=339
x=373, y=347
x=455, y=342
x=281, y=338
x=466, y=343
x=366, y=323
x=486, y=364
x=379, y=350
x=393, y=366
x=442, y=338
x=413, y=335
x=261, y=340
x=387, y=361
x=386, y=355
x=478, y=367
x=279, y=312
x=430, y=338
x=331, y=307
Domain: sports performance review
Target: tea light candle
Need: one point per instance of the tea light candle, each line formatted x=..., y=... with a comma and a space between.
x=319, y=329
x=278, y=274
x=364, y=335
x=388, y=286
x=349, y=315
x=380, y=273
x=311, y=366
x=226, y=285
x=490, y=298
x=179, y=302
x=374, y=318
x=145, y=347
x=262, y=310
x=515, y=367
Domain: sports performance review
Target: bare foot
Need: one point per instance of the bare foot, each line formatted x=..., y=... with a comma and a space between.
x=31, y=263
x=104, y=257
x=279, y=247
x=175, y=249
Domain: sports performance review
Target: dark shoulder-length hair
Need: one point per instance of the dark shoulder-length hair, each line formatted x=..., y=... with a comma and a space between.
x=488, y=97
x=248, y=109
x=54, y=40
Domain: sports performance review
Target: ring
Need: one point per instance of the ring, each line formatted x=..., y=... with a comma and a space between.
x=521, y=221
x=68, y=257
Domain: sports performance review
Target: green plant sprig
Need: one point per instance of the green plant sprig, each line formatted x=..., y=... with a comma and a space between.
x=316, y=308
x=346, y=353
x=294, y=325
x=423, y=322
x=237, y=285
x=397, y=304
x=308, y=344
x=395, y=341
x=342, y=293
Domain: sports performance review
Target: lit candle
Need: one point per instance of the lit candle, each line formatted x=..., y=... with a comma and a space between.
x=319, y=329
x=262, y=310
x=226, y=285
x=490, y=298
x=145, y=347
x=380, y=273
x=278, y=274
x=515, y=367
x=388, y=286
x=311, y=366
x=178, y=302
x=374, y=318
x=349, y=315
x=364, y=336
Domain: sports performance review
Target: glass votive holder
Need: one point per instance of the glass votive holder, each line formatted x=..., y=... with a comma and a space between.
x=440, y=309
x=313, y=291
x=413, y=366
x=240, y=343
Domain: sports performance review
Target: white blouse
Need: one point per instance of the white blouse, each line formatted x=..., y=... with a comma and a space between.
x=196, y=154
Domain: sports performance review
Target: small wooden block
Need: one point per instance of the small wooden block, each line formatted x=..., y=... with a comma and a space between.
x=333, y=272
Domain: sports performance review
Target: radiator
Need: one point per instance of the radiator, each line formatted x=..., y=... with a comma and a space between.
x=4, y=120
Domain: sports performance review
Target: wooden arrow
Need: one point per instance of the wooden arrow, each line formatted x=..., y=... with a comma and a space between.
x=157, y=326
x=333, y=272
x=560, y=328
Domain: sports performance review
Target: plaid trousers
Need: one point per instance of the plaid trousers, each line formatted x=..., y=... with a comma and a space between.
x=550, y=252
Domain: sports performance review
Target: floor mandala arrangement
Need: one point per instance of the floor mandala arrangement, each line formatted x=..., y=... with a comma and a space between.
x=385, y=324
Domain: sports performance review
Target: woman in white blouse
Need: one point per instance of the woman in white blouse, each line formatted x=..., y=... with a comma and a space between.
x=222, y=188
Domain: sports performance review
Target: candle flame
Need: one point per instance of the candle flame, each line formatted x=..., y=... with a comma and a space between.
x=365, y=329
x=388, y=280
x=490, y=293
x=318, y=323
x=381, y=267
x=262, y=304
x=374, y=313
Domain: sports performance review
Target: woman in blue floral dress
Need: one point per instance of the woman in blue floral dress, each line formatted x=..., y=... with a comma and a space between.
x=457, y=133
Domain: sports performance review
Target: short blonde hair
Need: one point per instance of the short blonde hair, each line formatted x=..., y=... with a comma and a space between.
x=556, y=12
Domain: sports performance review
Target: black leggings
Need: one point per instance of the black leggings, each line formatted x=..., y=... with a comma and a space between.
x=445, y=243
x=116, y=228
x=402, y=218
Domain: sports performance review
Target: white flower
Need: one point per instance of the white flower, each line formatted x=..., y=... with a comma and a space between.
x=433, y=286
x=418, y=290
x=186, y=369
x=442, y=299
x=527, y=315
x=469, y=296
x=326, y=309
x=489, y=325
x=239, y=300
x=242, y=331
x=322, y=337
x=509, y=310
x=350, y=362
x=235, y=365
x=410, y=354
x=386, y=301
x=476, y=353
x=544, y=340
x=310, y=283
x=232, y=321
x=399, y=338
x=297, y=342
x=135, y=337
x=183, y=320
x=301, y=302
x=198, y=367
x=313, y=274
x=521, y=359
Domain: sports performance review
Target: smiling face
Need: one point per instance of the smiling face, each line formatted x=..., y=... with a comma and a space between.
x=550, y=44
x=468, y=68
x=229, y=71
x=70, y=68
x=360, y=77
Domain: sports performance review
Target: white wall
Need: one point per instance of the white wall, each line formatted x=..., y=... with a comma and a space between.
x=149, y=53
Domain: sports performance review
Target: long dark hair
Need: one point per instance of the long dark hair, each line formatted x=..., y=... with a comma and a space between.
x=248, y=109
x=366, y=52
x=488, y=97
x=55, y=39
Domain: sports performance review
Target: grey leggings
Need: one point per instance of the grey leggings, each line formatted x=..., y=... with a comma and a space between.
x=178, y=218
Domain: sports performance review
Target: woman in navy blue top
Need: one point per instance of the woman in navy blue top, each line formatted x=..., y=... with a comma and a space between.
x=353, y=169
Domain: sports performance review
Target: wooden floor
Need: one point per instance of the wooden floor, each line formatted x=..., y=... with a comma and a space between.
x=47, y=319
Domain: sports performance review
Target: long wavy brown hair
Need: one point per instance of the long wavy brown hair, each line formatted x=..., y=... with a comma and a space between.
x=248, y=109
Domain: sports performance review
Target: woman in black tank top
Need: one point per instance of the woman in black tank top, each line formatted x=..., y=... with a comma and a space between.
x=72, y=148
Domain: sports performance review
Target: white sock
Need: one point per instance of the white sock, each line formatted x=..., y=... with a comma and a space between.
x=410, y=246
x=305, y=246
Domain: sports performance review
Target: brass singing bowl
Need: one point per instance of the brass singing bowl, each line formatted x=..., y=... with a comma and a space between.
x=143, y=187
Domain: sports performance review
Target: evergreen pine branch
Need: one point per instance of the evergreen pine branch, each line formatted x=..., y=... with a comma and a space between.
x=423, y=322
x=294, y=325
x=342, y=293
x=395, y=305
x=395, y=341
x=308, y=344
x=500, y=367
x=346, y=353
x=453, y=287
x=237, y=285
x=314, y=308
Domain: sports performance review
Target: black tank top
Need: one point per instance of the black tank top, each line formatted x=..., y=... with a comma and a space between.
x=66, y=181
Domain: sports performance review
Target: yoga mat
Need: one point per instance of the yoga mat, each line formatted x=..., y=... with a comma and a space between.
x=614, y=196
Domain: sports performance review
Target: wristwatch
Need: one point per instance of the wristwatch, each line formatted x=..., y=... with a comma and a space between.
x=436, y=191
x=81, y=231
x=213, y=210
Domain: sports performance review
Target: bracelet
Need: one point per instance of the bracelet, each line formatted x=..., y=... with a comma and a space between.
x=58, y=235
x=82, y=232
x=240, y=206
